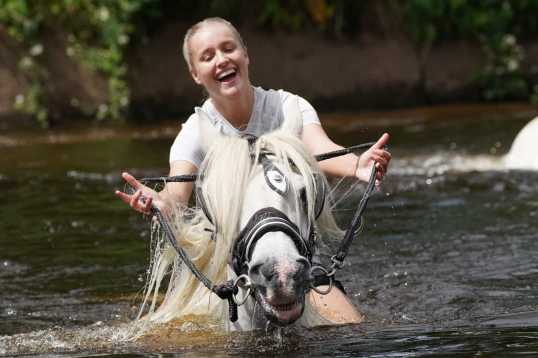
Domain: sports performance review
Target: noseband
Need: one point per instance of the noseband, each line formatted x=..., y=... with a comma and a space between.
x=262, y=222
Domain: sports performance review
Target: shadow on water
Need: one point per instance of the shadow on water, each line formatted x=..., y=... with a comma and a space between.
x=445, y=266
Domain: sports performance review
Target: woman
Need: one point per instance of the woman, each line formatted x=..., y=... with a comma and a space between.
x=218, y=60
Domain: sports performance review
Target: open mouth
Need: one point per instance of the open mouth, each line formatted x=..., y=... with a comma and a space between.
x=227, y=76
x=282, y=311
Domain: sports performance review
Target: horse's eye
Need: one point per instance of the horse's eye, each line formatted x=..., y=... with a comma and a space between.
x=277, y=177
x=278, y=181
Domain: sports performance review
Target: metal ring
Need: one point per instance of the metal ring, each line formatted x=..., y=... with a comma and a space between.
x=248, y=285
x=327, y=274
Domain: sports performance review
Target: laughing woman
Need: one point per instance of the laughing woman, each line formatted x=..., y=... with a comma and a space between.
x=218, y=60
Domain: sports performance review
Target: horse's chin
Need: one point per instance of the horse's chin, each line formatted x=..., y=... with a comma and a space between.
x=282, y=312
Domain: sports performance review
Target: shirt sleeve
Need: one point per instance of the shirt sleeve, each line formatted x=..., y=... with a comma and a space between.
x=308, y=112
x=187, y=145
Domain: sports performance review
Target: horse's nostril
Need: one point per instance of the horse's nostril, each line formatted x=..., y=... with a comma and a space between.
x=254, y=270
x=268, y=271
x=304, y=262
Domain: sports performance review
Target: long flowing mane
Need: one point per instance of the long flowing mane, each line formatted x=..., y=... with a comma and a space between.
x=225, y=173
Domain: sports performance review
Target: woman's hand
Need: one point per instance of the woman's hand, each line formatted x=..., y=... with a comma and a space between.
x=141, y=189
x=374, y=155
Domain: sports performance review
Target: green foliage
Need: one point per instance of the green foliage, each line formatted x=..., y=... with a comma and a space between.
x=494, y=24
x=99, y=33
x=279, y=14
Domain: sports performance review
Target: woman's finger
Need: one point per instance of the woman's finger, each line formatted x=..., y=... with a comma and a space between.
x=134, y=200
x=381, y=142
x=147, y=205
x=123, y=196
x=132, y=180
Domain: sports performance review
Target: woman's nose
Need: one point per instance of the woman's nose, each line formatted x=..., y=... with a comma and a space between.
x=222, y=59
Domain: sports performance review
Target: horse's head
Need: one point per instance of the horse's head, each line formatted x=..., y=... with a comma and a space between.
x=263, y=200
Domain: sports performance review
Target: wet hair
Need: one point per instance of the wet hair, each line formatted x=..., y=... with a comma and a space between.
x=200, y=25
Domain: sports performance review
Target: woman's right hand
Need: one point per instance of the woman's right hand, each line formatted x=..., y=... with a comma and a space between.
x=141, y=189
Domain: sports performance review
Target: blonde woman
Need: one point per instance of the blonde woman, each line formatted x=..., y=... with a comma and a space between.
x=218, y=60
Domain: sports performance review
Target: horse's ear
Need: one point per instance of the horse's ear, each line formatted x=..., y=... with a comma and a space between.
x=293, y=121
x=208, y=133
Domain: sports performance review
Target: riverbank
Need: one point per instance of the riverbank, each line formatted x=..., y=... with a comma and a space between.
x=372, y=72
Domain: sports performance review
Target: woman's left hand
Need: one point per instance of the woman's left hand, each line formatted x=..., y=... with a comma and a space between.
x=374, y=155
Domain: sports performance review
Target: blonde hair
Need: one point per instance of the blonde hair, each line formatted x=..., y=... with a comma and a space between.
x=200, y=25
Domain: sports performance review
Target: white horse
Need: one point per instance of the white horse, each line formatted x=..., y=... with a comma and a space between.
x=241, y=184
x=524, y=150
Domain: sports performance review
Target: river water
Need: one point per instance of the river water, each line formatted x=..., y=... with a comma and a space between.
x=445, y=266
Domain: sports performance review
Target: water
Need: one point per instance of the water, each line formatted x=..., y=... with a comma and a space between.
x=445, y=266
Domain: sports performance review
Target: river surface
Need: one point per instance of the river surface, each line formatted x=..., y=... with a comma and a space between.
x=446, y=265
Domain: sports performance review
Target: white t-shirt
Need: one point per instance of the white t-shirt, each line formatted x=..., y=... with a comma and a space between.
x=267, y=115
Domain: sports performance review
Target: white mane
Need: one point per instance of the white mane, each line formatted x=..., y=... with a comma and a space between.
x=225, y=173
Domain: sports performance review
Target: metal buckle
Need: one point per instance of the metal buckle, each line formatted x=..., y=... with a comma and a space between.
x=336, y=263
x=328, y=274
x=247, y=285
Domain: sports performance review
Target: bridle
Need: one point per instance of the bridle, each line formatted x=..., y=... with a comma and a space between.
x=274, y=221
x=270, y=219
x=262, y=222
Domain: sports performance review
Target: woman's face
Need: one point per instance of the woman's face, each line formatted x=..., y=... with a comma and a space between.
x=219, y=61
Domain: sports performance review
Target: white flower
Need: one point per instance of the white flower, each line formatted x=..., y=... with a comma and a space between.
x=19, y=99
x=102, y=111
x=509, y=40
x=512, y=65
x=123, y=39
x=104, y=14
x=36, y=50
x=27, y=62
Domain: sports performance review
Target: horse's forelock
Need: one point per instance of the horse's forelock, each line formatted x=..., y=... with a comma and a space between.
x=288, y=147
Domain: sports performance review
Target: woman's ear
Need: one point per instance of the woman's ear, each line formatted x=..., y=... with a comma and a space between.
x=195, y=76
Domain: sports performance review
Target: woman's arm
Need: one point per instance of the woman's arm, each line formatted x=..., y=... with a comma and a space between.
x=172, y=192
x=349, y=165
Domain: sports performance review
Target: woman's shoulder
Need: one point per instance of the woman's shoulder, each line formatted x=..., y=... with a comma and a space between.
x=280, y=95
x=271, y=93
